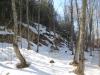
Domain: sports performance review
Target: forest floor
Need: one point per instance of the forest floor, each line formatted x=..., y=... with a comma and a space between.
x=40, y=62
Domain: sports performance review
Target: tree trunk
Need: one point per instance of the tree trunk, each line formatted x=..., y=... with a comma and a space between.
x=97, y=34
x=27, y=17
x=16, y=49
x=76, y=55
x=90, y=36
x=80, y=68
x=91, y=26
x=72, y=27
x=38, y=28
x=20, y=4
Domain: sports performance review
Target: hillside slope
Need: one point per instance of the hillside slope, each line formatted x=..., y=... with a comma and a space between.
x=40, y=62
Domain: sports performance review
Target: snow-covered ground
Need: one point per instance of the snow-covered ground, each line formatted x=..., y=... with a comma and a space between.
x=42, y=29
x=5, y=32
x=40, y=62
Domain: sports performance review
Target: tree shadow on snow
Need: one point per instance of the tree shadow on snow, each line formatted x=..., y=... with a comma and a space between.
x=35, y=70
x=4, y=66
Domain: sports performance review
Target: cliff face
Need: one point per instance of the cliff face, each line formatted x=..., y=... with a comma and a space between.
x=45, y=36
x=7, y=35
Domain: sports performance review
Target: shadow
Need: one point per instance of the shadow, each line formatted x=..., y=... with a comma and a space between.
x=55, y=55
x=5, y=66
x=36, y=71
x=32, y=68
x=92, y=66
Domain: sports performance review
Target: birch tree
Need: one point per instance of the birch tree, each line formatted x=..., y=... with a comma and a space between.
x=76, y=55
x=80, y=68
x=23, y=62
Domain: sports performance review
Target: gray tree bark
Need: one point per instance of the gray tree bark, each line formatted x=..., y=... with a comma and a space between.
x=27, y=17
x=80, y=68
x=23, y=62
x=72, y=27
x=76, y=55
x=38, y=28
x=20, y=4
x=97, y=34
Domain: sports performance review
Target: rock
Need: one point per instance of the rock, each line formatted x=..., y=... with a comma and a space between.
x=52, y=61
x=65, y=51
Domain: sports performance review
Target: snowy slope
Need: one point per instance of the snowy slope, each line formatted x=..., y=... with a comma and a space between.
x=6, y=32
x=34, y=28
x=40, y=61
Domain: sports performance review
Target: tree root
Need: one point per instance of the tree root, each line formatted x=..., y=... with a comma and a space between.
x=20, y=65
x=74, y=63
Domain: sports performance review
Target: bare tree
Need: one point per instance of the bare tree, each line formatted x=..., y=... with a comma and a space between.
x=80, y=68
x=97, y=34
x=23, y=62
x=72, y=27
x=27, y=17
x=91, y=25
x=20, y=5
x=38, y=27
x=76, y=55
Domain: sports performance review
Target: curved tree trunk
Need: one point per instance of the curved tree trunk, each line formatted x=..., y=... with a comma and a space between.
x=16, y=49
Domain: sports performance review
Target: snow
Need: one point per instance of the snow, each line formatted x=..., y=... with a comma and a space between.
x=30, y=27
x=39, y=62
x=35, y=30
x=5, y=32
x=91, y=64
x=42, y=30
